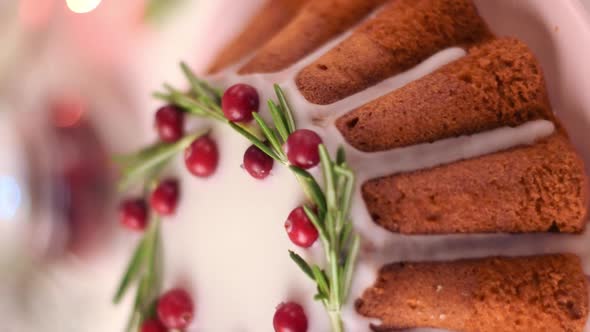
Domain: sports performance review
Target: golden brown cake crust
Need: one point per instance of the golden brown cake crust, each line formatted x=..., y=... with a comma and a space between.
x=499, y=83
x=539, y=293
x=537, y=188
x=402, y=34
x=316, y=23
x=269, y=20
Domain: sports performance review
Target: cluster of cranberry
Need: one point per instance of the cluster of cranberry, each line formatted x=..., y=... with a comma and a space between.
x=201, y=159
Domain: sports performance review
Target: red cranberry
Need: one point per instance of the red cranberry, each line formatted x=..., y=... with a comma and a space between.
x=165, y=197
x=302, y=148
x=201, y=157
x=152, y=325
x=257, y=163
x=175, y=309
x=290, y=317
x=133, y=214
x=170, y=123
x=300, y=229
x=239, y=102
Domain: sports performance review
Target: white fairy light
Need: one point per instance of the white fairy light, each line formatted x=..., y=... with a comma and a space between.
x=82, y=6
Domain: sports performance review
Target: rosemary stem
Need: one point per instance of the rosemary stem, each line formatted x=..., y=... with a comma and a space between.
x=336, y=321
x=305, y=187
x=335, y=278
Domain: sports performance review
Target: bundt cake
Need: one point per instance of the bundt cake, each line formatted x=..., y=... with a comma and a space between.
x=331, y=57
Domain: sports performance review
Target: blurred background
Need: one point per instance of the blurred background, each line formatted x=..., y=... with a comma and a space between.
x=75, y=83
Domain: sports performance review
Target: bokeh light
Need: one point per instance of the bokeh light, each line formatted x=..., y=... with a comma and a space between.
x=82, y=6
x=35, y=14
x=67, y=111
x=10, y=197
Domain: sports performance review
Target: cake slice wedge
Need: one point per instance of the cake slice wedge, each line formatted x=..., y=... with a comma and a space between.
x=539, y=293
x=401, y=35
x=536, y=188
x=499, y=83
x=273, y=16
x=316, y=23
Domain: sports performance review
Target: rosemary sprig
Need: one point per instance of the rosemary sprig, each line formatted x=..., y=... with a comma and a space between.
x=330, y=206
x=145, y=266
x=148, y=161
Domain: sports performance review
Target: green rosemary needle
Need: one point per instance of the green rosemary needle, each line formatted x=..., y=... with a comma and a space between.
x=145, y=265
